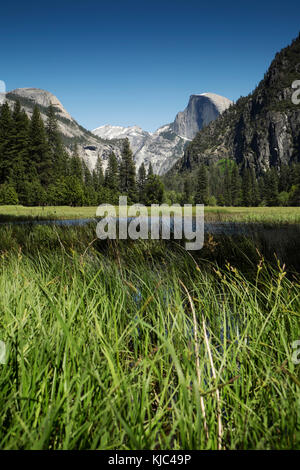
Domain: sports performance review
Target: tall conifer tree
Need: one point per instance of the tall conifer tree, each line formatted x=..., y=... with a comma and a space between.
x=57, y=151
x=6, y=144
x=20, y=150
x=112, y=177
x=127, y=173
x=201, y=196
x=41, y=164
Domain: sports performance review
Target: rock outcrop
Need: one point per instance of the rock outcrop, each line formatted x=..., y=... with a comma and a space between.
x=200, y=111
x=89, y=145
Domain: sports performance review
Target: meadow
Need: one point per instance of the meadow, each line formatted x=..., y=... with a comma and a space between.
x=212, y=213
x=142, y=345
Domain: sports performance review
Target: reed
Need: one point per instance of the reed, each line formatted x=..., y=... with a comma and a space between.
x=123, y=345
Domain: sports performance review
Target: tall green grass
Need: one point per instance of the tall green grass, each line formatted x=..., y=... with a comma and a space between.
x=141, y=345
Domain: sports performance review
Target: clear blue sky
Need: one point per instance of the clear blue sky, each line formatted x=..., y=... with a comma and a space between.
x=136, y=62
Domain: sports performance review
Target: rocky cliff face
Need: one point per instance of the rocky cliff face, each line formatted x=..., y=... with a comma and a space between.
x=42, y=98
x=200, y=111
x=162, y=148
x=90, y=146
x=166, y=145
x=260, y=130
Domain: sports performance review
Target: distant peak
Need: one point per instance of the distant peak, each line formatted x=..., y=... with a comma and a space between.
x=200, y=111
x=212, y=96
x=219, y=101
x=110, y=127
x=31, y=90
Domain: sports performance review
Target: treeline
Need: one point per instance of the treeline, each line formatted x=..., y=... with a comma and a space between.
x=36, y=168
x=225, y=184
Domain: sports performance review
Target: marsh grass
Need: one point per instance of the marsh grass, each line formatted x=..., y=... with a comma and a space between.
x=19, y=213
x=272, y=215
x=261, y=215
x=110, y=345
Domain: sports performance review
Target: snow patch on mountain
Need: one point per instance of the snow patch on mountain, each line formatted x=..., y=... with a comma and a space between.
x=166, y=145
x=135, y=135
x=162, y=148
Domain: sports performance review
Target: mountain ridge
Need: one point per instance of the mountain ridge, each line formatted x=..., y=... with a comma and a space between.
x=161, y=148
x=89, y=145
x=260, y=130
x=166, y=145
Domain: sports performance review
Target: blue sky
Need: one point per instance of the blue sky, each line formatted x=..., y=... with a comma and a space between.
x=137, y=62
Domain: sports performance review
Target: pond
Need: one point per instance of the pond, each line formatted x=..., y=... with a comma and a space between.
x=225, y=228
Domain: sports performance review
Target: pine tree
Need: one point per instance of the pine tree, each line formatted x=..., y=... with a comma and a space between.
x=112, y=180
x=35, y=194
x=154, y=190
x=150, y=170
x=74, y=191
x=255, y=196
x=271, y=187
x=8, y=194
x=227, y=185
x=294, y=198
x=6, y=144
x=57, y=193
x=127, y=173
x=90, y=197
x=201, y=196
x=294, y=177
x=142, y=178
x=75, y=164
x=41, y=164
x=247, y=188
x=98, y=176
x=284, y=179
x=87, y=176
x=235, y=186
x=186, y=197
x=21, y=150
x=57, y=151
x=215, y=182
